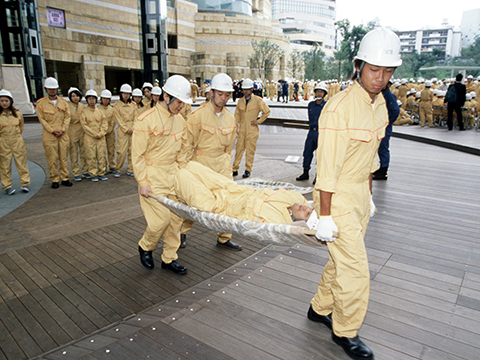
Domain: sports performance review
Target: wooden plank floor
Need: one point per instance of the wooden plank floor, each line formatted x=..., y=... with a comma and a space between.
x=69, y=272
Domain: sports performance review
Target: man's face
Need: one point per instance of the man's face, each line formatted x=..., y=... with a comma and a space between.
x=176, y=106
x=52, y=92
x=375, y=78
x=247, y=92
x=221, y=97
x=319, y=93
x=469, y=80
x=301, y=211
x=147, y=93
x=91, y=100
x=125, y=96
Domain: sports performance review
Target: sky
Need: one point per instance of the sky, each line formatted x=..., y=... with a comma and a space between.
x=405, y=14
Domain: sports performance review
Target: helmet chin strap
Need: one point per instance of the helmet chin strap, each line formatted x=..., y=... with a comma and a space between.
x=213, y=99
x=172, y=99
x=359, y=77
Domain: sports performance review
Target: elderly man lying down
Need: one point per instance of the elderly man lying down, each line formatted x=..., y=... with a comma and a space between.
x=204, y=189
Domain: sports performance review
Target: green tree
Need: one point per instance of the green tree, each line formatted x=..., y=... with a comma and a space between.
x=295, y=63
x=472, y=53
x=411, y=64
x=265, y=56
x=314, y=61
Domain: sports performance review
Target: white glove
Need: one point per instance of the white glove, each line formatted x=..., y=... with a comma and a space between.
x=373, y=208
x=325, y=228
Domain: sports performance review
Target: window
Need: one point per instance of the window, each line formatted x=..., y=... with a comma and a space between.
x=172, y=41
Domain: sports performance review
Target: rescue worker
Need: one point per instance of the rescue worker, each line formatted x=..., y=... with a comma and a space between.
x=437, y=106
x=468, y=113
x=95, y=126
x=314, y=110
x=211, y=131
x=350, y=130
x=426, y=98
x=403, y=117
x=107, y=110
x=75, y=134
x=194, y=90
x=157, y=141
x=156, y=95
x=54, y=115
x=12, y=145
x=137, y=99
x=186, y=111
x=402, y=93
x=200, y=187
x=124, y=113
x=147, y=91
x=470, y=85
x=208, y=95
x=246, y=116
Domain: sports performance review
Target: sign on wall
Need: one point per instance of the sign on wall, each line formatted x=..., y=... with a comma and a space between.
x=56, y=17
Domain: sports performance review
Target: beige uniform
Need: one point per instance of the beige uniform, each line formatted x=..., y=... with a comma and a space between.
x=402, y=95
x=147, y=103
x=202, y=188
x=403, y=118
x=186, y=111
x=350, y=132
x=55, y=118
x=75, y=133
x=470, y=86
x=94, y=124
x=468, y=116
x=426, y=99
x=124, y=114
x=248, y=133
x=194, y=91
x=157, y=140
x=110, y=136
x=12, y=145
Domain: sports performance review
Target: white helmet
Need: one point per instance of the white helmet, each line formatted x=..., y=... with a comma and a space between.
x=412, y=80
x=147, y=85
x=91, y=93
x=473, y=94
x=399, y=102
x=418, y=94
x=106, y=94
x=321, y=86
x=403, y=81
x=441, y=93
x=397, y=84
x=72, y=89
x=179, y=87
x=468, y=97
x=428, y=83
x=434, y=79
x=223, y=82
x=470, y=77
x=6, y=93
x=125, y=88
x=156, y=90
x=137, y=92
x=380, y=47
x=207, y=89
x=51, y=83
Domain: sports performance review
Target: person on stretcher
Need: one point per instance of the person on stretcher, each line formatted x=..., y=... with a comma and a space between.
x=201, y=188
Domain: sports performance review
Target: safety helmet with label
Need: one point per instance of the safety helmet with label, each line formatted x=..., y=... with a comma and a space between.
x=321, y=86
x=156, y=90
x=147, y=85
x=125, y=88
x=74, y=89
x=380, y=47
x=91, y=93
x=223, y=82
x=6, y=93
x=51, y=83
x=179, y=87
x=428, y=83
x=106, y=94
x=137, y=92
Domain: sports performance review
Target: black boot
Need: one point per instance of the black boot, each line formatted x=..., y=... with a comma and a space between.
x=183, y=240
x=354, y=347
x=146, y=258
x=304, y=176
x=380, y=174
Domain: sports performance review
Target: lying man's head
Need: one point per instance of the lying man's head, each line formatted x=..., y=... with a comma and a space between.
x=300, y=212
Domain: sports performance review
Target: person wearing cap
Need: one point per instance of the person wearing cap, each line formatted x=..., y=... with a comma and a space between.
x=95, y=126
x=459, y=91
x=194, y=90
x=402, y=93
x=314, y=109
x=426, y=98
x=470, y=85
x=75, y=134
x=186, y=111
x=124, y=112
x=211, y=131
x=208, y=95
x=157, y=140
x=403, y=117
x=247, y=118
x=437, y=106
x=107, y=110
x=475, y=103
x=468, y=112
x=54, y=115
x=156, y=95
x=147, y=91
x=137, y=99
x=12, y=145
x=350, y=130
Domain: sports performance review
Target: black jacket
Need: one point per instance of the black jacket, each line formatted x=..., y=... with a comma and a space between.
x=461, y=92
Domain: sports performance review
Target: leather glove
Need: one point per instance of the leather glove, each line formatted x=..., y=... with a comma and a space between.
x=373, y=208
x=325, y=228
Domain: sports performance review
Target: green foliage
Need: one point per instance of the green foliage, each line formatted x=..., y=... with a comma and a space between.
x=295, y=63
x=265, y=56
x=314, y=63
x=411, y=64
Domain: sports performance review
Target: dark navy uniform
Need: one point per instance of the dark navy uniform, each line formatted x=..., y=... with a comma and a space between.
x=393, y=112
x=311, y=143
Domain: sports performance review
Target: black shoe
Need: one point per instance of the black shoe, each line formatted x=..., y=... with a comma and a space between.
x=326, y=320
x=146, y=258
x=246, y=175
x=354, y=347
x=235, y=173
x=175, y=267
x=230, y=244
x=55, y=185
x=304, y=176
x=381, y=174
x=183, y=240
x=66, y=183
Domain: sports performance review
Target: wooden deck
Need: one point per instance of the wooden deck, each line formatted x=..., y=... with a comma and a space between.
x=71, y=285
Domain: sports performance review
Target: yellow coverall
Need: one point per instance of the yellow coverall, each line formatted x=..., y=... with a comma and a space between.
x=186, y=111
x=200, y=187
x=94, y=124
x=55, y=118
x=437, y=113
x=426, y=99
x=157, y=140
x=12, y=144
x=210, y=140
x=147, y=103
x=350, y=132
x=75, y=133
x=194, y=91
x=468, y=117
x=403, y=118
x=124, y=114
x=110, y=136
x=402, y=95
x=248, y=133
x=470, y=86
